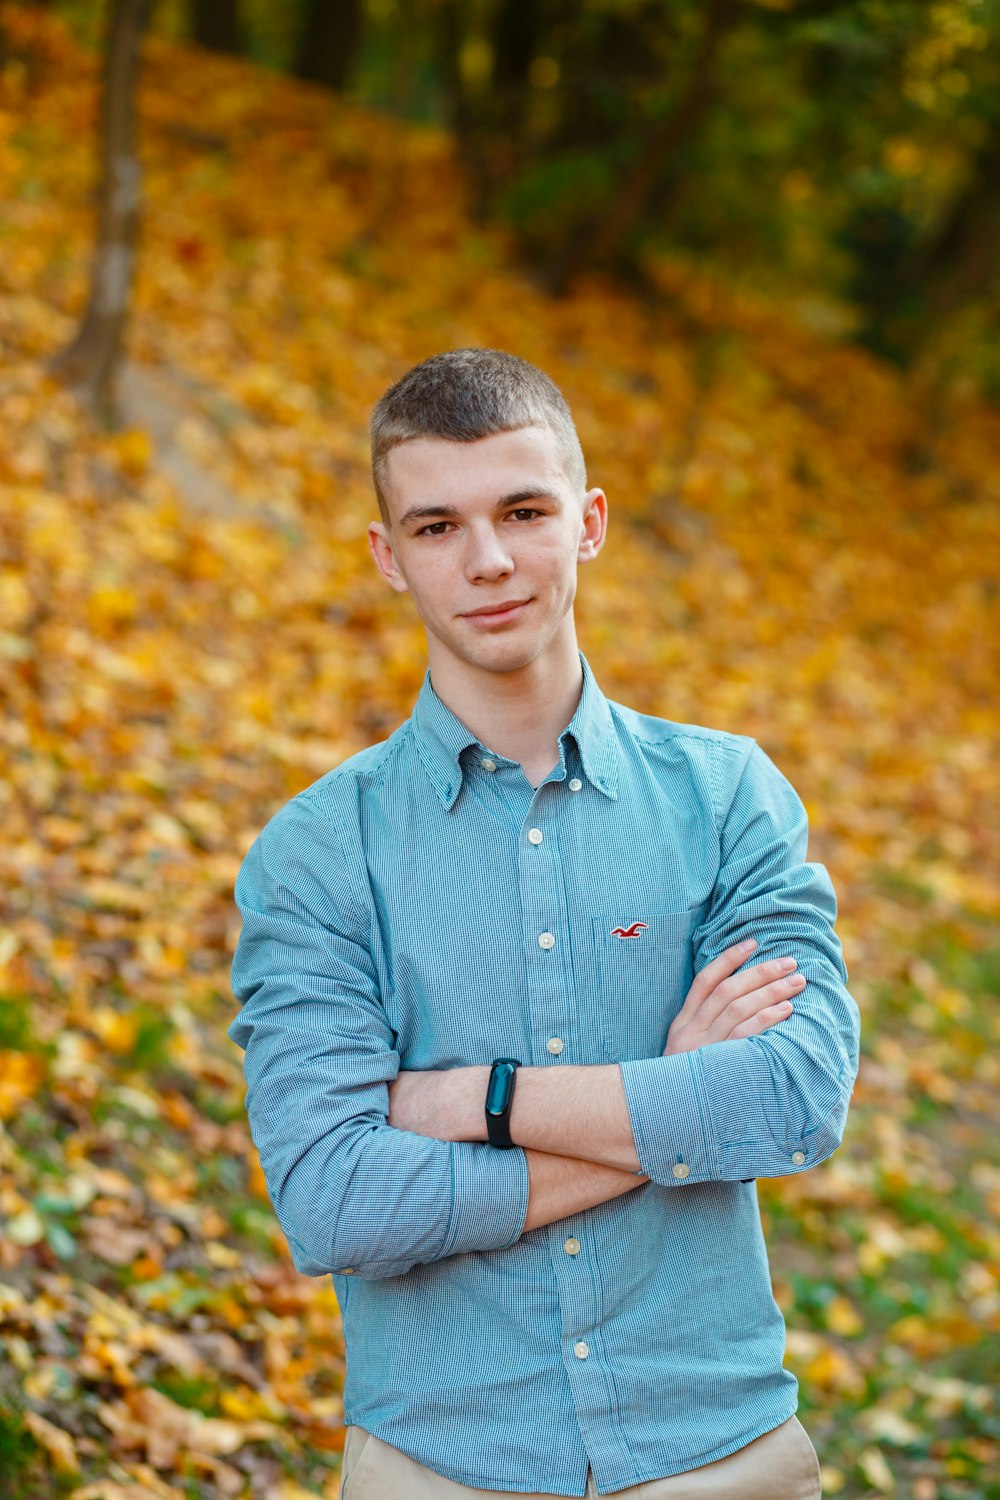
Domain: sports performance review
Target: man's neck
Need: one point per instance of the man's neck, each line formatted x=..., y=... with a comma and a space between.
x=519, y=714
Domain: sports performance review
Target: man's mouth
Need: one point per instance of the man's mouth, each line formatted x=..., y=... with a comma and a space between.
x=500, y=613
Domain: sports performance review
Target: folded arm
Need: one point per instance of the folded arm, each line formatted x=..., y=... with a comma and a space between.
x=776, y=1103
x=351, y=1191
x=767, y=1100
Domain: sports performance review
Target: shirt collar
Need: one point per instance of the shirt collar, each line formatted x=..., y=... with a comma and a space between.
x=441, y=739
x=593, y=729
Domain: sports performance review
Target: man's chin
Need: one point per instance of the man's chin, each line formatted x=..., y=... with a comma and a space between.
x=502, y=657
x=503, y=662
x=501, y=653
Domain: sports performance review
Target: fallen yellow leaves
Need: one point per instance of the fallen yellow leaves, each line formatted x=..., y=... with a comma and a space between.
x=926, y=1337
x=149, y=1422
x=57, y=1443
x=141, y=1483
x=10, y=1299
x=116, y=1243
x=21, y=1076
x=25, y=1227
x=823, y=1364
x=191, y=631
x=842, y=1317
x=876, y=1470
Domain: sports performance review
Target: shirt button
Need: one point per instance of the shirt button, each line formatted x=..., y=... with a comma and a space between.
x=798, y=1157
x=581, y=1350
x=546, y=940
x=682, y=1169
x=535, y=835
x=555, y=1044
x=571, y=1246
x=347, y=1271
x=576, y=784
x=488, y=765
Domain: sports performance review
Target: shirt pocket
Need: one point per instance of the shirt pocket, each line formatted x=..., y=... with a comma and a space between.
x=644, y=970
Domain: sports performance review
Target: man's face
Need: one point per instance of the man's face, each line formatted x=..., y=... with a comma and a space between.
x=487, y=536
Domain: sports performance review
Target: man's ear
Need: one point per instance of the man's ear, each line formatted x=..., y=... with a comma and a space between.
x=380, y=545
x=595, y=525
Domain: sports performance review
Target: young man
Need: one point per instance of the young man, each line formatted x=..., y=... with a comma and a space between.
x=518, y=1015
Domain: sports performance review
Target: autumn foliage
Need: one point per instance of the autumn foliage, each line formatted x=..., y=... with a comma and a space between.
x=191, y=631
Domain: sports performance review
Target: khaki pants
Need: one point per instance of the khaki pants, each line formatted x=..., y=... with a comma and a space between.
x=781, y=1465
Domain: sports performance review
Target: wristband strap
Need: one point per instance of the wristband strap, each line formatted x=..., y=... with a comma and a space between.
x=499, y=1098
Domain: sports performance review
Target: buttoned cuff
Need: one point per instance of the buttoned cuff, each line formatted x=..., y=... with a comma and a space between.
x=489, y=1197
x=670, y=1122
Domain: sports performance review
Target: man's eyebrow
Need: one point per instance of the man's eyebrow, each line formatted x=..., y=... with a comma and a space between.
x=427, y=512
x=533, y=492
x=450, y=512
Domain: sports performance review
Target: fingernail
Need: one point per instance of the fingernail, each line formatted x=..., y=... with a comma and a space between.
x=746, y=946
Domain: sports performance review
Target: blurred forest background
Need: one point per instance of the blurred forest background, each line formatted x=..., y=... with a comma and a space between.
x=756, y=243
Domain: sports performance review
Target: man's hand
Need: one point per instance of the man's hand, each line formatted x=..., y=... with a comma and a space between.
x=722, y=1004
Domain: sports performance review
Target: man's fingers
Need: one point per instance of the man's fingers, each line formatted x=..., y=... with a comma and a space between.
x=721, y=967
x=754, y=987
x=706, y=979
x=742, y=1007
x=721, y=1003
x=769, y=1016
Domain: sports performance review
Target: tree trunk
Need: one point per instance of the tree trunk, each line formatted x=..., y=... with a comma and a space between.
x=89, y=363
x=463, y=118
x=328, y=47
x=955, y=268
x=517, y=28
x=515, y=37
x=606, y=238
x=961, y=261
x=215, y=25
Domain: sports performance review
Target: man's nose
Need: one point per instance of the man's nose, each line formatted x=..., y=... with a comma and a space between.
x=488, y=555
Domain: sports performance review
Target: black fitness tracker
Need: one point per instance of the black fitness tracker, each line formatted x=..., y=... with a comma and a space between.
x=499, y=1098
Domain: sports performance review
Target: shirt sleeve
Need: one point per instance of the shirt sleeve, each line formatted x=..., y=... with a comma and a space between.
x=351, y=1193
x=773, y=1104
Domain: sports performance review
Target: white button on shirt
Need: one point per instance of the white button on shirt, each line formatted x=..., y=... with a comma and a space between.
x=581, y=1350
x=572, y=1245
x=488, y=765
x=535, y=835
x=555, y=1044
x=798, y=1157
x=683, y=1170
x=546, y=940
x=576, y=784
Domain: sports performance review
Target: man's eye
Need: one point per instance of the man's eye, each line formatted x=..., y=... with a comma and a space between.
x=525, y=513
x=436, y=528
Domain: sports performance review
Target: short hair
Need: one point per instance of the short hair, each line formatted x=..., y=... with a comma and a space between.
x=467, y=394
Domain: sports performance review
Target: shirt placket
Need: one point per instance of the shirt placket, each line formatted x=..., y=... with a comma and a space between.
x=553, y=1010
x=546, y=929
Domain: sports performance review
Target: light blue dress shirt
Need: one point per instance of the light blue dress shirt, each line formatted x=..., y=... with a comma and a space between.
x=422, y=906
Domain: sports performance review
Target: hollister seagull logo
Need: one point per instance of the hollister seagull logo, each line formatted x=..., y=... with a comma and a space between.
x=632, y=931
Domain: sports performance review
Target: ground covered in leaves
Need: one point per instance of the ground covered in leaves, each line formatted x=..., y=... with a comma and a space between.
x=191, y=631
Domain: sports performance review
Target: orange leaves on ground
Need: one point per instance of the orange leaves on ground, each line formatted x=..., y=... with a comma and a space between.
x=823, y=1364
x=57, y=1443
x=21, y=1076
x=149, y=1422
x=191, y=631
